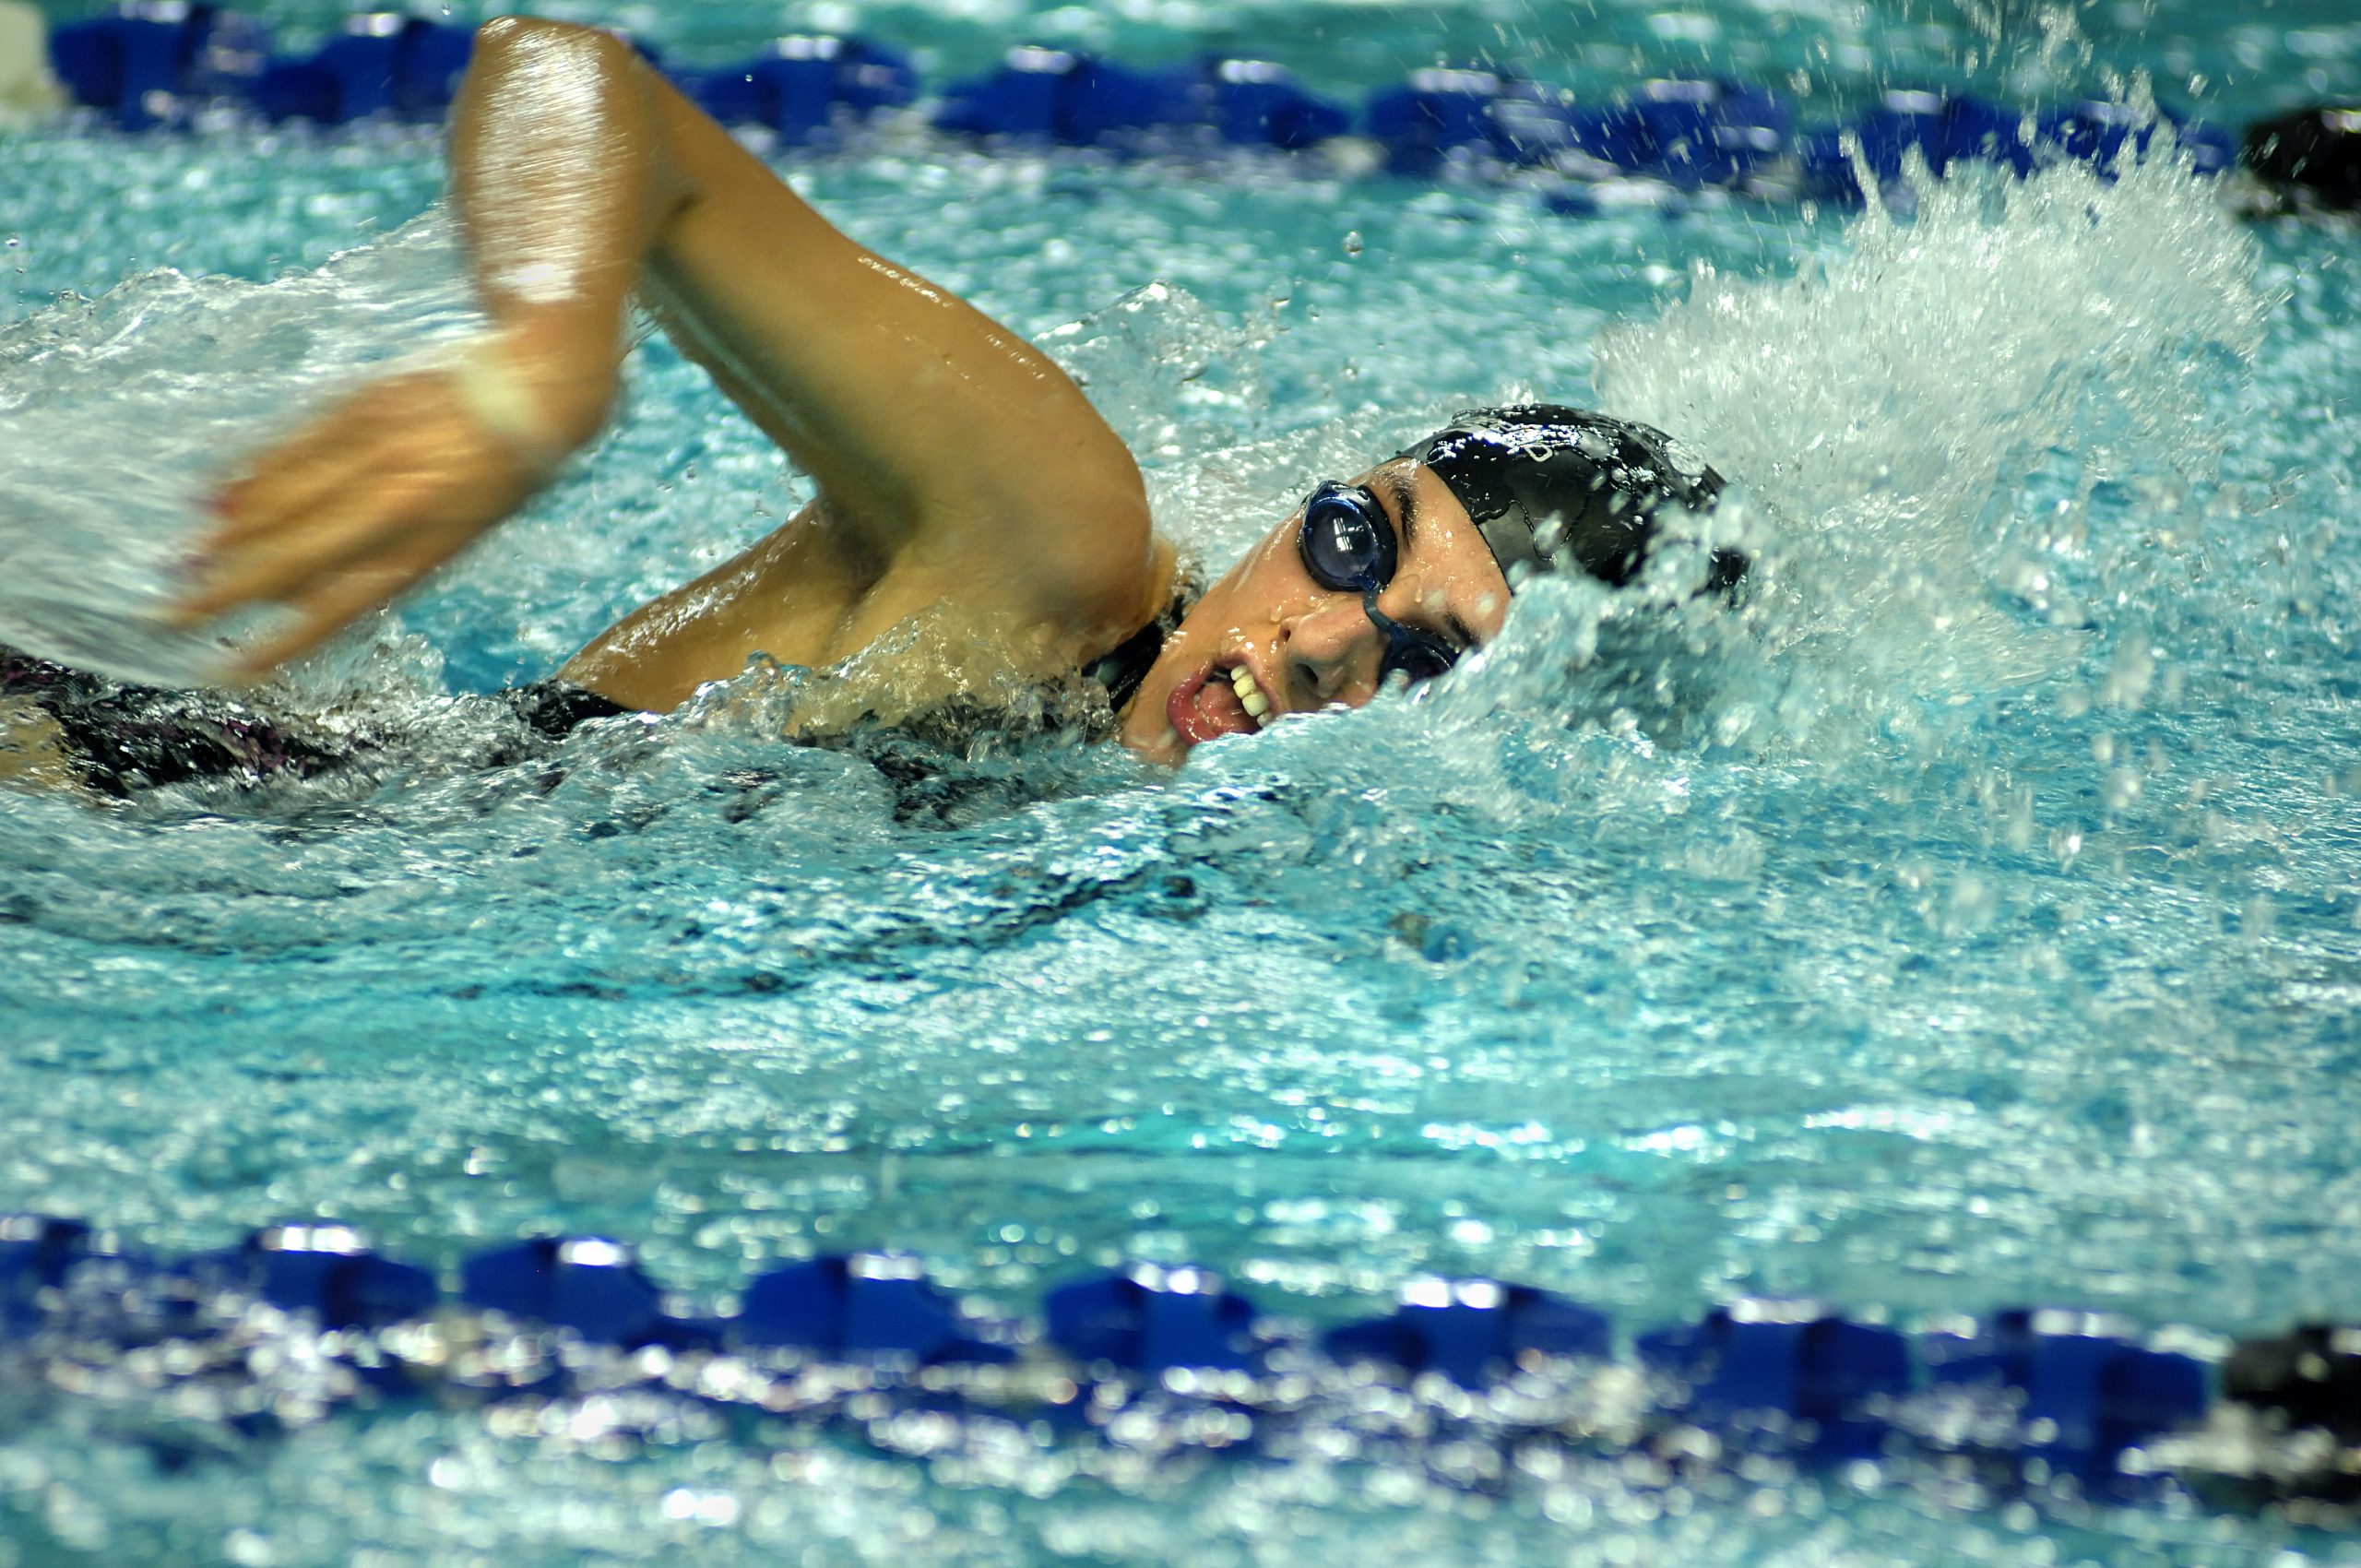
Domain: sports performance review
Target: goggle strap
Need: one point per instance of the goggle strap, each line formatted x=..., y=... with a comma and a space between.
x=1395, y=633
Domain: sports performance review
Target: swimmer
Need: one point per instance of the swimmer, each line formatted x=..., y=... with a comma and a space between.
x=960, y=474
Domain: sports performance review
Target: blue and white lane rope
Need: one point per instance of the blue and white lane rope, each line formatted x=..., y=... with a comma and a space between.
x=2034, y=1399
x=162, y=63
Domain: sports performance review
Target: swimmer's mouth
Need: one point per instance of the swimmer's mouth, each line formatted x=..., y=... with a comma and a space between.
x=1220, y=700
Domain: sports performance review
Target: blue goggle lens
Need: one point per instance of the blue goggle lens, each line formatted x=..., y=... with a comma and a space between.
x=1348, y=545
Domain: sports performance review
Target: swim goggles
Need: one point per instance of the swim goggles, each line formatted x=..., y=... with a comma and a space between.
x=1348, y=545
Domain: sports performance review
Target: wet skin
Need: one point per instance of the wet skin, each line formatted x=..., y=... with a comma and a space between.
x=961, y=474
x=1309, y=646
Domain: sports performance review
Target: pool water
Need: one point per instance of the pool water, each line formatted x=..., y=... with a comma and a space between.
x=1973, y=919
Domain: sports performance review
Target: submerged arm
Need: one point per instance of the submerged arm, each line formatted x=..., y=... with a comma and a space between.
x=953, y=461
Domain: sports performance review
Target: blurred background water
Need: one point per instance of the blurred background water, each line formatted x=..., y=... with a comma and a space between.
x=1974, y=918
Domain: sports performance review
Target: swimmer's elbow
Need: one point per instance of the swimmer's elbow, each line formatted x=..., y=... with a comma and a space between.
x=504, y=34
x=531, y=55
x=529, y=64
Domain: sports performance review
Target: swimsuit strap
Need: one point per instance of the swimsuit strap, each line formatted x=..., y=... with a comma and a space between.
x=1122, y=668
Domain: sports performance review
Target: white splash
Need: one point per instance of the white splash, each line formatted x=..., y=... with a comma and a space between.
x=1882, y=409
x=125, y=413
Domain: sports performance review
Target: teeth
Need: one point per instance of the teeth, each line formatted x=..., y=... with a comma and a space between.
x=1250, y=696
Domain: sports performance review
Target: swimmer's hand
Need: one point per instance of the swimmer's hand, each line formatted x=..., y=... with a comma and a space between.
x=392, y=483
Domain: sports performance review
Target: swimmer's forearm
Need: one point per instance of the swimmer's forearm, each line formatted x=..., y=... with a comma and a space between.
x=556, y=173
x=555, y=186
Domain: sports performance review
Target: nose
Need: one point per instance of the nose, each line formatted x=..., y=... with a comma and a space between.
x=1331, y=651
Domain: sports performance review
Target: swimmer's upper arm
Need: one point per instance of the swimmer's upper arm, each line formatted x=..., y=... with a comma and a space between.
x=948, y=448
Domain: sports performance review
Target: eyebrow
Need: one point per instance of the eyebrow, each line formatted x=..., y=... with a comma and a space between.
x=1405, y=495
x=1405, y=506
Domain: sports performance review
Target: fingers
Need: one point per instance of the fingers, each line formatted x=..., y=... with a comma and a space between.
x=341, y=566
x=297, y=475
x=272, y=566
x=329, y=599
x=348, y=490
x=348, y=514
x=394, y=431
x=326, y=610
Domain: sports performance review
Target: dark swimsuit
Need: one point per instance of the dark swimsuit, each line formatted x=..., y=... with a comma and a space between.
x=121, y=739
x=1122, y=668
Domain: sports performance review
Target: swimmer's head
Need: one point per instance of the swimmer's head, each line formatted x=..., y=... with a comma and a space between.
x=1558, y=489
x=1393, y=575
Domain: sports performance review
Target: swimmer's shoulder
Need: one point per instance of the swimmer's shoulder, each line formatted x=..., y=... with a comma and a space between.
x=1083, y=581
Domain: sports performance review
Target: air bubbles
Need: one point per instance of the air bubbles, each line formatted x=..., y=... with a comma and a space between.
x=2130, y=673
x=1352, y=242
x=715, y=1510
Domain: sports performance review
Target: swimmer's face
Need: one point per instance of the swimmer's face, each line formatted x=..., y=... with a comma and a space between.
x=1304, y=645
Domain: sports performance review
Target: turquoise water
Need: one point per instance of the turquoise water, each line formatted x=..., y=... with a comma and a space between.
x=1974, y=920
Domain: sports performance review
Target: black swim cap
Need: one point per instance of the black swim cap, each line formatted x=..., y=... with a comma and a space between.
x=1551, y=487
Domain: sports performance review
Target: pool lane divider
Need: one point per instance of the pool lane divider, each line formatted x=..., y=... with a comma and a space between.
x=157, y=63
x=2026, y=1395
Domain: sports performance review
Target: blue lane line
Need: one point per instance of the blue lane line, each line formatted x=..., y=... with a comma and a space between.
x=2078, y=1392
x=156, y=64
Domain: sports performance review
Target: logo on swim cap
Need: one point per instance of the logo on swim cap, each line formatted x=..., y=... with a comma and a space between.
x=1551, y=487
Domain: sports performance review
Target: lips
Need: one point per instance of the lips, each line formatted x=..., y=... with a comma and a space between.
x=1203, y=707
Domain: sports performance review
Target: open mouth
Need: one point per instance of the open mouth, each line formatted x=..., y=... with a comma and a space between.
x=1219, y=701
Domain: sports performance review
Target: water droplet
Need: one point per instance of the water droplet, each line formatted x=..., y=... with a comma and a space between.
x=1353, y=241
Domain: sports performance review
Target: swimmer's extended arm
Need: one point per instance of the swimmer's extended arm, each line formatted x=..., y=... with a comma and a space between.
x=955, y=462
